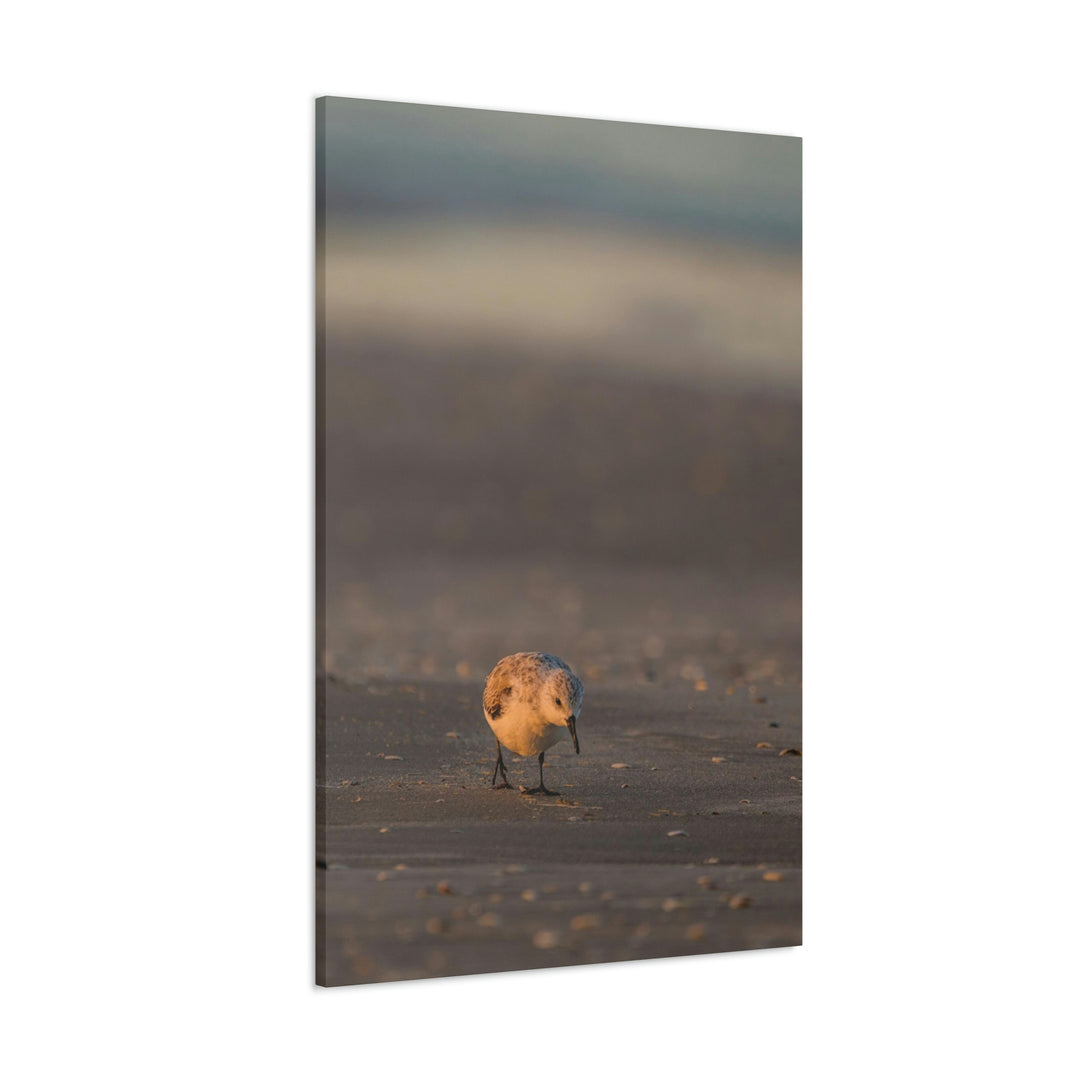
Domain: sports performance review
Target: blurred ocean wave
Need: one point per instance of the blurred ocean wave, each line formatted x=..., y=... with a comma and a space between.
x=634, y=302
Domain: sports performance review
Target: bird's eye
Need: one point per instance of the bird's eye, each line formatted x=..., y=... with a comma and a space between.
x=558, y=701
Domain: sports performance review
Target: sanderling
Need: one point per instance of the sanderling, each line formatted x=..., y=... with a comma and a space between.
x=531, y=700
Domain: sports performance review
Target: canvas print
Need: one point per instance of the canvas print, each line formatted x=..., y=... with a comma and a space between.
x=558, y=393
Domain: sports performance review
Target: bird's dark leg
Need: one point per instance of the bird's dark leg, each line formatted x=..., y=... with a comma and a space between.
x=499, y=768
x=541, y=790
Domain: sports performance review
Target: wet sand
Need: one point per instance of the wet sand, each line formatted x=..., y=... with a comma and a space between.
x=644, y=526
x=425, y=871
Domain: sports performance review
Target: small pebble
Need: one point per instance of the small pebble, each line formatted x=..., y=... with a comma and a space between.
x=619, y=765
x=764, y=745
x=452, y=735
x=790, y=751
x=671, y=904
x=394, y=757
x=489, y=919
x=695, y=932
x=529, y=895
x=382, y=875
x=740, y=900
x=584, y=922
x=436, y=926
x=444, y=888
x=607, y=895
x=678, y=832
x=772, y=875
x=546, y=939
x=584, y=887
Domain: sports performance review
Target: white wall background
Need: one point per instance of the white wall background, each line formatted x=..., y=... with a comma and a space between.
x=156, y=438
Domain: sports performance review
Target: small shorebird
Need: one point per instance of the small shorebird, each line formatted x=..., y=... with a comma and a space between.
x=531, y=700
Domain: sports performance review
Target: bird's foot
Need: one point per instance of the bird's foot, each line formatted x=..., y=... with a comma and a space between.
x=499, y=787
x=541, y=790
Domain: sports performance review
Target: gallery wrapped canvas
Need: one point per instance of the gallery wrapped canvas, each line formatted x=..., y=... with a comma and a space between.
x=558, y=541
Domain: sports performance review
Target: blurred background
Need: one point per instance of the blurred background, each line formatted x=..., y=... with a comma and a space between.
x=561, y=402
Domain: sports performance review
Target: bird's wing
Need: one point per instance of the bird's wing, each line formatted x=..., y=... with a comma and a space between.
x=499, y=687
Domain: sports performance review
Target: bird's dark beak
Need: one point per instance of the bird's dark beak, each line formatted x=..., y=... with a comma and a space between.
x=572, y=725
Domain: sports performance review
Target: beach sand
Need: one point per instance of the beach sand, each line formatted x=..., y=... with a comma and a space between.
x=642, y=525
x=425, y=871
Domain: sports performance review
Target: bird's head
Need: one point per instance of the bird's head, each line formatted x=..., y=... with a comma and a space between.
x=563, y=694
